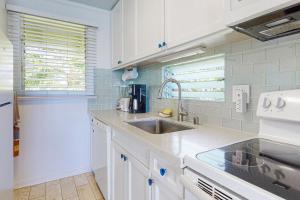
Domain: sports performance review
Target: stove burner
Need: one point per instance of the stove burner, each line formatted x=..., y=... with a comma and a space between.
x=281, y=149
x=241, y=158
x=270, y=165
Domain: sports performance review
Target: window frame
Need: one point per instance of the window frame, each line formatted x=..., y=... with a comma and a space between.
x=194, y=59
x=90, y=59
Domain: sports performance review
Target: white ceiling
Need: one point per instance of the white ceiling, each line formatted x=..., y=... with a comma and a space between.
x=104, y=4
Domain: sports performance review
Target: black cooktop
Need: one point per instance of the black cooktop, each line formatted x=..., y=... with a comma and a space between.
x=270, y=165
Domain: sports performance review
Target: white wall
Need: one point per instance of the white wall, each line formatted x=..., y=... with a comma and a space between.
x=2, y=17
x=54, y=135
x=55, y=141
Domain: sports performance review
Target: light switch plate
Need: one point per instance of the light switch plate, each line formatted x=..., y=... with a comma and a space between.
x=244, y=88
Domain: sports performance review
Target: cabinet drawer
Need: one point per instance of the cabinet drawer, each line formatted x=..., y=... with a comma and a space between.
x=133, y=146
x=167, y=172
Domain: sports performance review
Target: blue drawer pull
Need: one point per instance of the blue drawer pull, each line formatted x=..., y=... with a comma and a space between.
x=150, y=181
x=162, y=171
x=125, y=158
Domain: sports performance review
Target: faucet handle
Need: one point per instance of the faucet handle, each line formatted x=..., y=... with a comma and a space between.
x=182, y=114
x=196, y=120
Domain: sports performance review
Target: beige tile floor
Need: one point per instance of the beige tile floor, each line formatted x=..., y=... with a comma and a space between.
x=81, y=187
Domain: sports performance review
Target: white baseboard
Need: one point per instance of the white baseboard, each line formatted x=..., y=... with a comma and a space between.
x=50, y=177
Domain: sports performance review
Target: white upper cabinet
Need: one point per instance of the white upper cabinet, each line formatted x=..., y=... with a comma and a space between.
x=242, y=10
x=117, y=34
x=150, y=27
x=144, y=28
x=129, y=36
x=189, y=20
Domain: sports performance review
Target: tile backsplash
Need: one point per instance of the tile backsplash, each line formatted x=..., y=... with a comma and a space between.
x=269, y=66
x=106, y=89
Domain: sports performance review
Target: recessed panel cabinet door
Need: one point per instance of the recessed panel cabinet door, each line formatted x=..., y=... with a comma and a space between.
x=129, y=176
x=129, y=30
x=241, y=10
x=193, y=19
x=119, y=171
x=117, y=34
x=150, y=27
x=138, y=175
x=160, y=192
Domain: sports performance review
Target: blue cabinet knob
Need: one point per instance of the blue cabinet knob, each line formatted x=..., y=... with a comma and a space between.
x=150, y=181
x=160, y=45
x=162, y=171
x=122, y=156
x=125, y=158
x=164, y=44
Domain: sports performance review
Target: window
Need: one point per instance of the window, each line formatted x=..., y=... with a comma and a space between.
x=52, y=56
x=201, y=79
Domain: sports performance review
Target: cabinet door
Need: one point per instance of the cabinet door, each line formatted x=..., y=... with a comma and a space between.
x=119, y=171
x=150, y=27
x=117, y=34
x=138, y=175
x=193, y=19
x=241, y=10
x=160, y=192
x=129, y=30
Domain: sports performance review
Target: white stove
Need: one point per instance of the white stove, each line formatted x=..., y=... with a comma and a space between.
x=264, y=168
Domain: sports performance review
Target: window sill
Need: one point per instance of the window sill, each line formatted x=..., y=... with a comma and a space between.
x=62, y=97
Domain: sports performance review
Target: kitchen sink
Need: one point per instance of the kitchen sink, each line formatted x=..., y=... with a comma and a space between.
x=158, y=126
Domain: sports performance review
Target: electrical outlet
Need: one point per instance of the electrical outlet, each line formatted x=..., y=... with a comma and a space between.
x=241, y=101
x=237, y=88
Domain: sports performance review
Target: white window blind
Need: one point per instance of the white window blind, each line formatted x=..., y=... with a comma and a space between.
x=52, y=56
x=201, y=79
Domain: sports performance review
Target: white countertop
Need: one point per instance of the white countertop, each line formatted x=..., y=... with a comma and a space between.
x=177, y=144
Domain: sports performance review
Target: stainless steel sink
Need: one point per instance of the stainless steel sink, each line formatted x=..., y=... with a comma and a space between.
x=158, y=126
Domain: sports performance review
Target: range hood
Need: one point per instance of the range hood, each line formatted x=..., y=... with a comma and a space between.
x=273, y=25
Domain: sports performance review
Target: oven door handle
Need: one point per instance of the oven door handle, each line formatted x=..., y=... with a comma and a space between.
x=190, y=186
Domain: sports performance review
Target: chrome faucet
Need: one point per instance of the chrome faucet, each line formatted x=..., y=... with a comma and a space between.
x=180, y=111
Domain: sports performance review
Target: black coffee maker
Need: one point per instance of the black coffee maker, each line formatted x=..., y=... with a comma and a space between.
x=138, y=98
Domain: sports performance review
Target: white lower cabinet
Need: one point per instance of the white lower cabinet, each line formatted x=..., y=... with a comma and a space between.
x=130, y=178
x=161, y=192
x=138, y=180
x=118, y=173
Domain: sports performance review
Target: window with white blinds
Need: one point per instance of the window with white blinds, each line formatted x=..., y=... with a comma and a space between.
x=201, y=79
x=52, y=56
